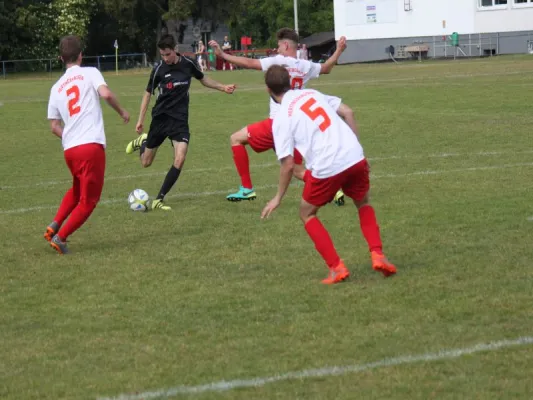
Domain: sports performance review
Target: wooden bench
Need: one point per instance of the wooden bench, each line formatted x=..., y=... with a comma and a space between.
x=418, y=48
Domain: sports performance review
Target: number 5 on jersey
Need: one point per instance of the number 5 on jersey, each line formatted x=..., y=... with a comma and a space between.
x=73, y=94
x=317, y=112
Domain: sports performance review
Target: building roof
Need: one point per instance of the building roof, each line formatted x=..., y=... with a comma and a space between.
x=318, y=39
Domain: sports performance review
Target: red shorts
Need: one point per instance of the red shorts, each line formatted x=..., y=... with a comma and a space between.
x=354, y=181
x=261, y=138
x=87, y=166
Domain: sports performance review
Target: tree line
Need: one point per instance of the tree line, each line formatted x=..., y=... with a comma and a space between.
x=32, y=28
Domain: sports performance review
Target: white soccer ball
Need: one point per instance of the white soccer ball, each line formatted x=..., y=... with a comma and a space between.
x=138, y=200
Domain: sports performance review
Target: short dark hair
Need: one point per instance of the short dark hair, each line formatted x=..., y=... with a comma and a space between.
x=167, y=42
x=70, y=48
x=287, y=34
x=278, y=80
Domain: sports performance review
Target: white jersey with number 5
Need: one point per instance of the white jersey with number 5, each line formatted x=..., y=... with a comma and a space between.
x=75, y=100
x=307, y=121
x=300, y=71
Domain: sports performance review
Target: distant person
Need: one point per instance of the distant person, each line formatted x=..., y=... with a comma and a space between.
x=226, y=48
x=200, y=55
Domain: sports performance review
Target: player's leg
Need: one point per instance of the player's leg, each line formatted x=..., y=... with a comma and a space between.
x=356, y=186
x=238, y=142
x=69, y=202
x=181, y=145
x=259, y=137
x=147, y=144
x=90, y=171
x=318, y=192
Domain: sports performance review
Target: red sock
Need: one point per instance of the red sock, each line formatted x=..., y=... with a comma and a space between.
x=370, y=228
x=320, y=236
x=242, y=163
x=69, y=202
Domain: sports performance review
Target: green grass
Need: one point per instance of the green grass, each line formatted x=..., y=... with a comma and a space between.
x=210, y=292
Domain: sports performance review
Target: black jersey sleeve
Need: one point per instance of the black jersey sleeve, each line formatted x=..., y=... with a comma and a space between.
x=195, y=70
x=154, y=79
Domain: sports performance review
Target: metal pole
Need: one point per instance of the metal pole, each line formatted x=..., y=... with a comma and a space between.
x=296, y=15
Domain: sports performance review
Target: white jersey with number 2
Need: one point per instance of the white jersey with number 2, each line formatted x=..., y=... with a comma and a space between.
x=307, y=121
x=75, y=100
x=300, y=71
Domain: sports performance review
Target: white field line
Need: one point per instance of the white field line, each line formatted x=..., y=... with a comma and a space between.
x=222, y=386
x=420, y=79
x=266, y=165
x=221, y=192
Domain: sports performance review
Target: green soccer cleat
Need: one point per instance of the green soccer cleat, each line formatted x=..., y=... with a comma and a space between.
x=158, y=204
x=242, y=194
x=135, y=145
x=339, y=198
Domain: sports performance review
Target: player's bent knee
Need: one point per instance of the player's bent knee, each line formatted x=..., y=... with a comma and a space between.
x=178, y=162
x=363, y=202
x=239, y=137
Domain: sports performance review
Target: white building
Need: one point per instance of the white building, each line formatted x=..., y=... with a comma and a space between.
x=484, y=26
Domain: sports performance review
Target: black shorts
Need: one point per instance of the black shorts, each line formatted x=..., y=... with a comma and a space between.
x=164, y=126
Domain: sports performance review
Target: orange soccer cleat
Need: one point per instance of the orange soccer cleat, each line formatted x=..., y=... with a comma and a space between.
x=381, y=264
x=337, y=274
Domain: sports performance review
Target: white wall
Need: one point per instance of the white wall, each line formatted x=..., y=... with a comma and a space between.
x=425, y=18
x=510, y=18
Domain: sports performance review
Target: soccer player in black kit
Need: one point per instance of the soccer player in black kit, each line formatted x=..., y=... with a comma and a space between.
x=170, y=114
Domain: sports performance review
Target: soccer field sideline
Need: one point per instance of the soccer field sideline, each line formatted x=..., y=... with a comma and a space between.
x=222, y=192
x=266, y=165
x=324, y=371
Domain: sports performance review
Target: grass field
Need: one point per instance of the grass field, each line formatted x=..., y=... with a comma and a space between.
x=161, y=305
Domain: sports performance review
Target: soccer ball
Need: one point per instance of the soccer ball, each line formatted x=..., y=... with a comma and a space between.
x=138, y=200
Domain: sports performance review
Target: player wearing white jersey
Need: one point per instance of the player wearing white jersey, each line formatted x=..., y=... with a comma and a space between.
x=76, y=117
x=307, y=122
x=259, y=134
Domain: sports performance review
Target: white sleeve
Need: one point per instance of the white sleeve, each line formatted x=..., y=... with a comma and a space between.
x=97, y=79
x=314, y=69
x=334, y=101
x=267, y=62
x=283, y=138
x=53, y=111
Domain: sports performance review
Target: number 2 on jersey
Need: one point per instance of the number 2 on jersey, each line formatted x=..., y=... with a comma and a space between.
x=73, y=107
x=297, y=82
x=317, y=112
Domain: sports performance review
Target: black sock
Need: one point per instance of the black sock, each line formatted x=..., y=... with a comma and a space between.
x=143, y=147
x=172, y=176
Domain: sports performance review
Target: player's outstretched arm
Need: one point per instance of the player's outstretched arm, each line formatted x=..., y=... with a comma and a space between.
x=212, y=84
x=285, y=175
x=243, y=62
x=112, y=100
x=332, y=61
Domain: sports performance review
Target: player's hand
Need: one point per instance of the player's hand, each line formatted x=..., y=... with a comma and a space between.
x=125, y=116
x=229, y=89
x=139, y=127
x=270, y=207
x=341, y=44
x=214, y=44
